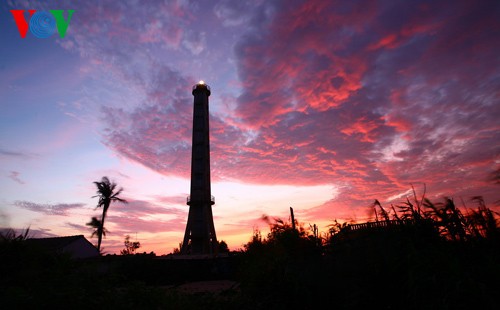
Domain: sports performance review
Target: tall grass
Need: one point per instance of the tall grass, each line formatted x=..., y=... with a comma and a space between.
x=427, y=255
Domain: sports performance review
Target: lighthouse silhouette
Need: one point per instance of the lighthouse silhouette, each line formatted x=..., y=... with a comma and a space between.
x=200, y=237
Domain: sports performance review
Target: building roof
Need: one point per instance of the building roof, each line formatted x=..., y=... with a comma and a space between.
x=78, y=246
x=55, y=242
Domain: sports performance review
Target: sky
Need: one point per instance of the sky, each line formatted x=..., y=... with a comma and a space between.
x=322, y=106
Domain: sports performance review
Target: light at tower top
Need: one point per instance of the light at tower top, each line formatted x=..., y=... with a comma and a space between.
x=201, y=85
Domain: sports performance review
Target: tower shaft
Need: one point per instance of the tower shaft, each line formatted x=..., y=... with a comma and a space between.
x=200, y=237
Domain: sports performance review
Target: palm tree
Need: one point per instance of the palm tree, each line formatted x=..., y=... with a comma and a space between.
x=107, y=194
x=95, y=224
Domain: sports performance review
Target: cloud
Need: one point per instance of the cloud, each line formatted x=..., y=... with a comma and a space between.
x=235, y=13
x=15, y=154
x=128, y=225
x=141, y=208
x=172, y=200
x=195, y=42
x=144, y=216
x=78, y=227
x=49, y=209
x=355, y=77
x=11, y=153
x=160, y=130
x=370, y=98
x=4, y=218
x=32, y=233
x=14, y=176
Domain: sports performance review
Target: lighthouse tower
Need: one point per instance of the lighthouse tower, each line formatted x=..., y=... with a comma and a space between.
x=200, y=237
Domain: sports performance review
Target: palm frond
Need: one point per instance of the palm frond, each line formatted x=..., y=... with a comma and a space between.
x=106, y=193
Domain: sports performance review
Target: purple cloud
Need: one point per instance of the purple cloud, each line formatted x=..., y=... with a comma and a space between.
x=15, y=154
x=49, y=209
x=14, y=176
x=369, y=96
x=372, y=98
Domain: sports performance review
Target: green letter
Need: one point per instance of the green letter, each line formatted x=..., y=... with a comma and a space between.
x=62, y=25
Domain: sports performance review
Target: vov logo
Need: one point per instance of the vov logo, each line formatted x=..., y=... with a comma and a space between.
x=42, y=24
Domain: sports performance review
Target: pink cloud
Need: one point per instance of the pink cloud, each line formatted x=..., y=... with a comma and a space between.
x=328, y=90
x=128, y=225
x=362, y=127
x=143, y=216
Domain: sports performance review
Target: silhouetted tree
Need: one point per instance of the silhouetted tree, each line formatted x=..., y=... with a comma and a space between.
x=177, y=250
x=130, y=247
x=95, y=224
x=107, y=194
x=282, y=268
x=223, y=248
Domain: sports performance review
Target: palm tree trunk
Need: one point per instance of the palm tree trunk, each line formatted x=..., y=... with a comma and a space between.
x=101, y=229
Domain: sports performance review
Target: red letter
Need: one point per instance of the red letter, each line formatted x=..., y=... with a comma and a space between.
x=22, y=24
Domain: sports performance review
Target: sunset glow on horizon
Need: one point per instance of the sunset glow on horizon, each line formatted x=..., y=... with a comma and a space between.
x=322, y=106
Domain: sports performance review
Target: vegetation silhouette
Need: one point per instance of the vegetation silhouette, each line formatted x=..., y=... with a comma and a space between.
x=95, y=223
x=107, y=194
x=222, y=248
x=130, y=247
x=417, y=254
